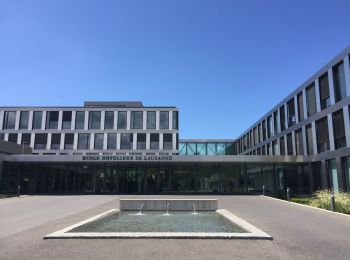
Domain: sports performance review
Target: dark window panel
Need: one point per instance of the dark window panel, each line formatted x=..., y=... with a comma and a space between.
x=136, y=120
x=109, y=120
x=154, y=141
x=9, y=120
x=112, y=142
x=84, y=141
x=311, y=100
x=13, y=138
x=322, y=135
x=324, y=91
x=141, y=141
x=66, y=119
x=151, y=120
x=23, y=122
x=175, y=120
x=68, y=141
x=95, y=120
x=164, y=120
x=339, y=82
x=122, y=119
x=79, y=120
x=52, y=120
x=37, y=118
x=40, y=141
x=55, y=141
x=98, y=145
x=339, y=129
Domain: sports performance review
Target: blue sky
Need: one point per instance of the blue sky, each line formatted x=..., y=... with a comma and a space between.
x=223, y=63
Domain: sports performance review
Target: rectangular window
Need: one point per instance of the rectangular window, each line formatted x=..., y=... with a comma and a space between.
x=151, y=120
x=141, y=141
x=23, y=121
x=13, y=138
x=37, y=118
x=311, y=100
x=122, y=119
x=345, y=162
x=55, y=141
x=2, y=136
x=282, y=146
x=164, y=120
x=167, y=141
x=274, y=147
x=322, y=135
x=269, y=127
x=339, y=82
x=26, y=138
x=84, y=141
x=40, y=141
x=79, y=120
x=136, y=120
x=299, y=142
x=339, y=129
x=264, y=130
x=175, y=120
x=68, y=141
x=263, y=151
x=112, y=142
x=154, y=139
x=51, y=119
x=66, y=119
x=309, y=142
x=109, y=120
x=126, y=141
x=255, y=134
x=275, y=121
x=9, y=120
x=282, y=119
x=300, y=106
x=98, y=145
x=332, y=174
x=95, y=120
x=259, y=132
x=289, y=144
x=324, y=91
x=291, y=113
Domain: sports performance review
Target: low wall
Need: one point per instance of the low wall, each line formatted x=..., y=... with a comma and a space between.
x=174, y=204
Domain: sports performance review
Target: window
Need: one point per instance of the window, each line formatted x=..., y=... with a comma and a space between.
x=339, y=129
x=289, y=144
x=83, y=141
x=275, y=122
x=332, y=174
x=291, y=113
x=136, y=119
x=259, y=133
x=13, y=138
x=263, y=151
x=164, y=120
x=26, y=139
x=2, y=136
x=167, y=141
x=282, y=118
x=126, y=141
x=79, y=120
x=68, y=141
x=141, y=141
x=309, y=142
x=154, y=141
x=51, y=119
x=98, y=142
x=122, y=120
x=175, y=120
x=66, y=119
x=109, y=120
x=322, y=135
x=95, y=120
x=151, y=120
x=112, y=142
x=40, y=141
x=269, y=127
x=264, y=130
x=300, y=106
x=55, y=141
x=255, y=135
x=201, y=149
x=299, y=142
x=274, y=147
x=37, y=117
x=9, y=120
x=23, y=122
x=339, y=82
x=324, y=91
x=345, y=162
x=282, y=146
x=311, y=100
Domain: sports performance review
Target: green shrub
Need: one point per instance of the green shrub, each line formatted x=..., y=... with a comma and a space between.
x=322, y=200
x=305, y=201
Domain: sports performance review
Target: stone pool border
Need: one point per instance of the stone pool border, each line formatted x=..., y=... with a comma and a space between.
x=254, y=232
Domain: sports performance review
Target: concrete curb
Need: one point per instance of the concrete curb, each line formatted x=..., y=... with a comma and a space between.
x=307, y=206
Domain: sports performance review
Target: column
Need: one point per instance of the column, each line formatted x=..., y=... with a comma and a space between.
x=278, y=120
x=60, y=116
x=103, y=113
x=314, y=139
x=174, y=141
x=148, y=141
x=32, y=139
x=144, y=118
x=161, y=141
x=303, y=131
x=317, y=94
x=330, y=132
x=19, y=138
x=1, y=119
x=75, y=142
x=347, y=74
x=72, y=125
x=285, y=115
x=43, y=120
x=30, y=120
x=105, y=139
x=128, y=118
x=273, y=125
x=296, y=108
x=134, y=143
x=86, y=120
x=346, y=125
x=293, y=143
x=48, y=144
x=157, y=120
x=331, y=86
x=304, y=103
x=118, y=141
x=62, y=141
x=92, y=141
x=115, y=119
x=18, y=114
x=170, y=119
x=285, y=145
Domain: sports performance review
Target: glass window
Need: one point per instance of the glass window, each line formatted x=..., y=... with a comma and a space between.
x=154, y=141
x=175, y=120
x=300, y=106
x=269, y=127
x=66, y=119
x=345, y=161
x=79, y=120
x=26, y=139
x=98, y=142
x=263, y=150
x=13, y=138
x=299, y=142
x=201, y=149
x=167, y=141
x=109, y=120
x=136, y=120
x=83, y=141
x=282, y=118
x=164, y=120
x=264, y=130
x=331, y=166
x=95, y=120
x=141, y=141
x=112, y=142
x=9, y=120
x=274, y=147
x=122, y=120
x=126, y=141
x=68, y=141
x=289, y=144
x=23, y=123
x=324, y=91
x=339, y=129
x=2, y=136
x=182, y=149
x=191, y=149
x=339, y=82
x=291, y=113
x=151, y=120
x=211, y=148
x=311, y=100
x=322, y=135
x=275, y=122
x=282, y=146
x=55, y=141
x=40, y=141
x=51, y=119
x=37, y=117
x=309, y=144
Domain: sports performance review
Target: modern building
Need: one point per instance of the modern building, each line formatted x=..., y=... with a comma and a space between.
x=124, y=147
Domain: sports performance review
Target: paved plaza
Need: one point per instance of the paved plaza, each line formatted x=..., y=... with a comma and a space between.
x=298, y=232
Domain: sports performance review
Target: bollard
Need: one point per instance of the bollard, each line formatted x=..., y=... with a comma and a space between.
x=332, y=202
x=263, y=190
x=288, y=194
x=18, y=190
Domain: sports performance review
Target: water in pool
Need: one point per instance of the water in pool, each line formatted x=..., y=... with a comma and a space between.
x=157, y=221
